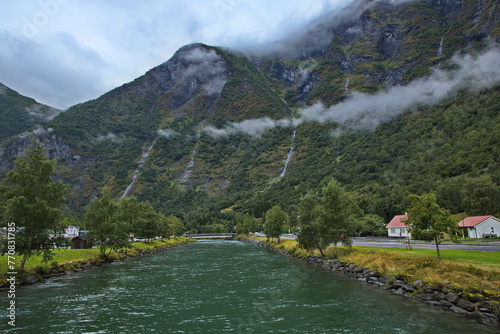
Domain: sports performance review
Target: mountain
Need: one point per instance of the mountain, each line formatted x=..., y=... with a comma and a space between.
x=390, y=99
x=19, y=114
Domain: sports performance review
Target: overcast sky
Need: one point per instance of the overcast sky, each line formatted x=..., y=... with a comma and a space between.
x=62, y=52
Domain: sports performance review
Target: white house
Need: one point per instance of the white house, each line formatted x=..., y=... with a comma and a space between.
x=480, y=227
x=397, y=228
x=71, y=231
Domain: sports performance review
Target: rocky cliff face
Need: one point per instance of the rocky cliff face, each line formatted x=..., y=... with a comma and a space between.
x=53, y=143
x=380, y=45
x=193, y=70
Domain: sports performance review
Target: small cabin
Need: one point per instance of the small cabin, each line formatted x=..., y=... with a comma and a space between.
x=80, y=243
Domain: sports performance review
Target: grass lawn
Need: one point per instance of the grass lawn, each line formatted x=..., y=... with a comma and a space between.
x=467, y=257
x=62, y=256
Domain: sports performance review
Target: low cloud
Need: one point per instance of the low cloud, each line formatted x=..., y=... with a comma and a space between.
x=206, y=66
x=167, y=133
x=108, y=137
x=365, y=111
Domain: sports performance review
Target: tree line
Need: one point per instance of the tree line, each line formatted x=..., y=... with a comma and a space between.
x=32, y=205
x=33, y=201
x=332, y=216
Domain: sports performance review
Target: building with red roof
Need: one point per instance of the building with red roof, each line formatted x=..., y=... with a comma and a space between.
x=397, y=227
x=480, y=227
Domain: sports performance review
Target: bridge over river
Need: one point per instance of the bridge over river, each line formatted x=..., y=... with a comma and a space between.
x=211, y=236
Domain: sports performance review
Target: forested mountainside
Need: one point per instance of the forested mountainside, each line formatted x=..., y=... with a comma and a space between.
x=390, y=100
x=20, y=114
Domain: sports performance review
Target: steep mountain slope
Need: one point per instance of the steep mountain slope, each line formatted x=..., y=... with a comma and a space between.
x=20, y=114
x=212, y=131
x=386, y=46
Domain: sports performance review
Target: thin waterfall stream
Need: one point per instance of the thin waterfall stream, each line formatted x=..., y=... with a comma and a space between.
x=290, y=154
x=145, y=154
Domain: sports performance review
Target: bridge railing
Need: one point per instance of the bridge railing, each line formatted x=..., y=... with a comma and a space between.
x=200, y=235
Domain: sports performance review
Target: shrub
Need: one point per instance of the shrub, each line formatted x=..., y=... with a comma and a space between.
x=42, y=270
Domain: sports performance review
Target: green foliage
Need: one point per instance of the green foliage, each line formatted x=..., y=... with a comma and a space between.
x=451, y=149
x=148, y=222
x=276, y=218
x=371, y=224
x=101, y=220
x=175, y=225
x=426, y=215
x=42, y=269
x=246, y=224
x=327, y=220
x=310, y=225
x=246, y=93
x=32, y=202
x=20, y=113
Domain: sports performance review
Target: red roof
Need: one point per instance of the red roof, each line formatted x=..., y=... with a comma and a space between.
x=397, y=221
x=473, y=221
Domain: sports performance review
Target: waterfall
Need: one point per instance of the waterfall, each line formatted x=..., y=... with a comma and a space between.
x=290, y=154
x=189, y=168
x=440, y=48
x=346, y=86
x=144, y=156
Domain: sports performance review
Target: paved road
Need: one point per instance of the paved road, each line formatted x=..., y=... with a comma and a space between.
x=469, y=246
x=482, y=247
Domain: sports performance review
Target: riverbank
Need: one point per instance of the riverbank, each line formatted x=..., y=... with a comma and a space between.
x=67, y=261
x=405, y=276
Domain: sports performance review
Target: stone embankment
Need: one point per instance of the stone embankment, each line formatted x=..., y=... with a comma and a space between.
x=474, y=303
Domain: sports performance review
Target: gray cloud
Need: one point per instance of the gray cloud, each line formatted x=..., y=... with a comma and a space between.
x=167, y=133
x=206, y=66
x=63, y=52
x=302, y=41
x=58, y=76
x=366, y=111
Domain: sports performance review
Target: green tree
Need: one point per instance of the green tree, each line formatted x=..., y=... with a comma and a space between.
x=337, y=216
x=425, y=215
x=128, y=213
x=147, y=224
x=275, y=220
x=310, y=236
x=176, y=226
x=481, y=196
x=370, y=224
x=33, y=201
x=165, y=229
x=104, y=225
x=246, y=224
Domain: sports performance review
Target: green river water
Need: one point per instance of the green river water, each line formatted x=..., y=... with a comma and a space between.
x=220, y=287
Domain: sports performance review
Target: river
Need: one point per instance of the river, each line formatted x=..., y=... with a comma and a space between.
x=220, y=287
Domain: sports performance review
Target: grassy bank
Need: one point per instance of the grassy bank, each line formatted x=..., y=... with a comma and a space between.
x=468, y=270
x=72, y=258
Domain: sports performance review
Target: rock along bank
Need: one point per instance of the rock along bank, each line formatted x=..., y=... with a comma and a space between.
x=478, y=305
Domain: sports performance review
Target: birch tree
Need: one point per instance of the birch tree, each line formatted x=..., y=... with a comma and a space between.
x=32, y=200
